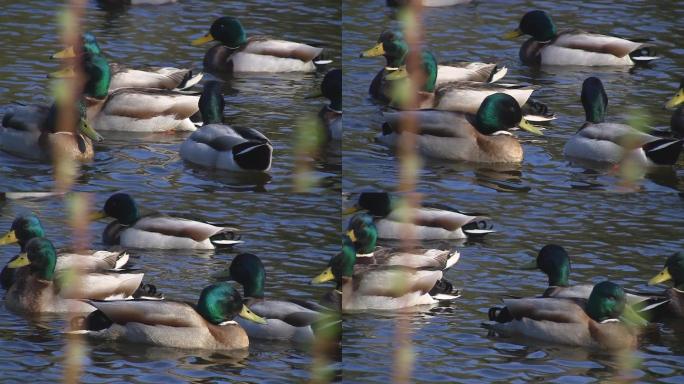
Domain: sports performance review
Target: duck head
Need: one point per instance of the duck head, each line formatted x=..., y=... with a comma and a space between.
x=248, y=270
x=89, y=44
x=427, y=68
x=211, y=103
x=553, y=260
x=501, y=112
x=340, y=266
x=40, y=256
x=226, y=30
x=674, y=270
x=120, y=206
x=220, y=303
x=607, y=302
x=594, y=100
x=362, y=232
x=537, y=24
x=378, y=204
x=392, y=46
x=24, y=228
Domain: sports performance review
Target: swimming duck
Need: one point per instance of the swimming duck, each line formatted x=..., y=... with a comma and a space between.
x=392, y=45
x=604, y=321
x=458, y=136
x=399, y=280
x=464, y=96
x=27, y=226
x=429, y=222
x=603, y=142
x=30, y=132
x=131, y=109
x=207, y=325
x=331, y=114
x=218, y=146
x=238, y=53
x=674, y=270
x=294, y=320
x=124, y=77
x=39, y=289
x=677, y=119
x=574, y=47
x=154, y=230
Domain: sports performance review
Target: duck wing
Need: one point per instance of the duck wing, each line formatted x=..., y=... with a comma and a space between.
x=593, y=42
x=281, y=48
x=548, y=309
x=140, y=103
x=621, y=134
x=287, y=311
x=179, y=227
x=98, y=286
x=26, y=117
x=433, y=123
x=169, y=313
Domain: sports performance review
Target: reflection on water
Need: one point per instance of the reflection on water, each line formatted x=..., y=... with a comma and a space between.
x=294, y=245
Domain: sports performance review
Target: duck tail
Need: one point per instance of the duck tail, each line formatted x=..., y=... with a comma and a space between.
x=253, y=155
x=478, y=227
x=226, y=238
x=147, y=292
x=454, y=256
x=95, y=321
x=644, y=55
x=499, y=315
x=537, y=111
x=322, y=60
x=190, y=81
x=444, y=290
x=497, y=74
x=663, y=151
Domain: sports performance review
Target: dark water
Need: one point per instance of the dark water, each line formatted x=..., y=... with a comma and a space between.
x=294, y=247
x=612, y=227
x=161, y=36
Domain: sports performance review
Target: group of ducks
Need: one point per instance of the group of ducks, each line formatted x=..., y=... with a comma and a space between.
x=464, y=114
x=369, y=277
x=110, y=303
x=118, y=98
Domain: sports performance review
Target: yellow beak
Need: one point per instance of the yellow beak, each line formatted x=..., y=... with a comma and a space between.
x=396, y=74
x=9, y=238
x=530, y=265
x=89, y=131
x=353, y=209
x=351, y=235
x=677, y=99
x=249, y=315
x=326, y=275
x=662, y=277
x=525, y=125
x=20, y=261
x=68, y=72
x=97, y=215
x=66, y=53
x=377, y=50
x=203, y=40
x=513, y=34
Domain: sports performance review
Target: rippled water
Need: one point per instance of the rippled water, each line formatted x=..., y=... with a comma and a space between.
x=612, y=228
x=161, y=35
x=294, y=247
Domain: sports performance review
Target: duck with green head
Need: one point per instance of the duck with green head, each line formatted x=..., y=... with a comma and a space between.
x=31, y=132
x=207, y=325
x=131, y=109
x=393, y=281
x=392, y=45
x=40, y=288
x=674, y=270
x=27, y=226
x=677, y=119
x=235, y=52
x=217, y=145
x=600, y=142
x=459, y=96
x=293, y=319
x=331, y=115
x=124, y=77
x=482, y=138
x=574, y=47
x=603, y=321
x=134, y=229
x=429, y=221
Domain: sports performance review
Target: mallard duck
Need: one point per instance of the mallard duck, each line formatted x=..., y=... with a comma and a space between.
x=603, y=142
x=27, y=226
x=154, y=230
x=458, y=136
x=39, y=289
x=429, y=222
x=131, y=109
x=674, y=270
x=604, y=321
x=677, y=119
x=574, y=47
x=207, y=325
x=124, y=77
x=291, y=319
x=331, y=114
x=237, y=53
x=392, y=45
x=30, y=131
x=464, y=96
x=387, y=279
x=219, y=146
